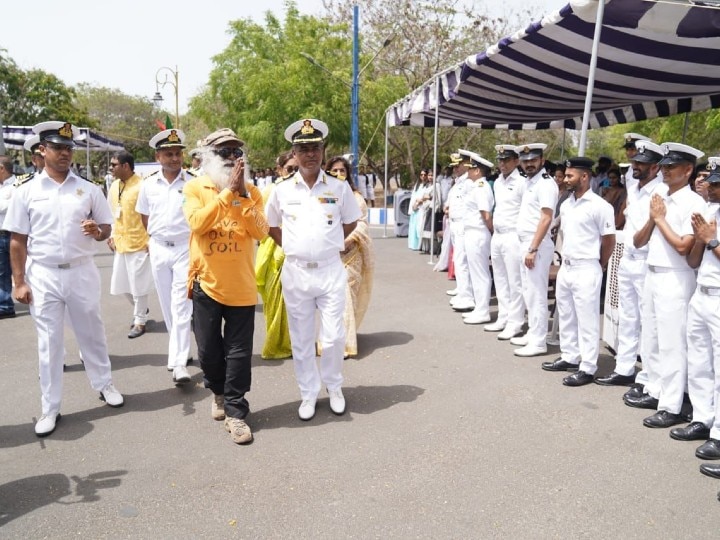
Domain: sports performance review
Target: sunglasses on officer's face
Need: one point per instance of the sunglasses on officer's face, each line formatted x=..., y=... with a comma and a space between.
x=225, y=153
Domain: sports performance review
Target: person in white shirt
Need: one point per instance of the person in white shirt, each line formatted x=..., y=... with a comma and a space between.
x=588, y=226
x=310, y=214
x=462, y=300
x=55, y=220
x=505, y=246
x=703, y=329
x=7, y=187
x=160, y=205
x=536, y=247
x=477, y=222
x=631, y=274
x=670, y=280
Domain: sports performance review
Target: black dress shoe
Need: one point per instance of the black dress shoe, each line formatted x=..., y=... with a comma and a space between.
x=7, y=315
x=646, y=401
x=710, y=469
x=137, y=331
x=695, y=431
x=615, y=379
x=636, y=391
x=710, y=449
x=579, y=378
x=662, y=419
x=559, y=365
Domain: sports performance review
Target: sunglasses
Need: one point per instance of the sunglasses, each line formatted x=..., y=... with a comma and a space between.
x=291, y=168
x=225, y=153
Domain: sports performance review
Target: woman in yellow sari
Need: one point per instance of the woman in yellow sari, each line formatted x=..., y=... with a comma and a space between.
x=268, y=264
x=359, y=260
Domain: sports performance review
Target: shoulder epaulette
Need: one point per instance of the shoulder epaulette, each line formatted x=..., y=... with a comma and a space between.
x=190, y=173
x=151, y=175
x=523, y=174
x=20, y=180
x=546, y=175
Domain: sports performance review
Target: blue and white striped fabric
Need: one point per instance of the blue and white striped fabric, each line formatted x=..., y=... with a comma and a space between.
x=654, y=60
x=15, y=136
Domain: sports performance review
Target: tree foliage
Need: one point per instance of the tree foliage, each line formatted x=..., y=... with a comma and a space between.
x=29, y=97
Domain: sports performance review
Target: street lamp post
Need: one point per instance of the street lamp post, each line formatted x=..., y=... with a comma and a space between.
x=158, y=99
x=354, y=88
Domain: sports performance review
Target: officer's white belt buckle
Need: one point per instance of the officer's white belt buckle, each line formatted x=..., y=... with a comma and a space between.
x=167, y=243
x=65, y=266
x=660, y=269
x=578, y=262
x=636, y=256
x=312, y=264
x=710, y=291
x=503, y=230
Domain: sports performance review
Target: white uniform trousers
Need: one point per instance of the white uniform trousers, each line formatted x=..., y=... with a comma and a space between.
x=578, y=305
x=305, y=290
x=477, y=251
x=132, y=276
x=462, y=272
x=170, y=266
x=664, y=340
x=703, y=342
x=78, y=289
x=505, y=252
x=630, y=279
x=535, y=289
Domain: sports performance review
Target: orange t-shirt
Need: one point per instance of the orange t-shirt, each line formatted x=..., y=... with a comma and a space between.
x=223, y=226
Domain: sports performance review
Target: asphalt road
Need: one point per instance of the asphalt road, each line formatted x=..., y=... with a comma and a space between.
x=446, y=435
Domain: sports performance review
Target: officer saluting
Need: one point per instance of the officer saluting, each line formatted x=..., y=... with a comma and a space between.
x=316, y=212
x=55, y=220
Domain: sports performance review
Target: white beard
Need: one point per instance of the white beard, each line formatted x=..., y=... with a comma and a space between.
x=217, y=169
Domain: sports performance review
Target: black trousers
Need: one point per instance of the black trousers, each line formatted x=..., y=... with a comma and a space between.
x=225, y=353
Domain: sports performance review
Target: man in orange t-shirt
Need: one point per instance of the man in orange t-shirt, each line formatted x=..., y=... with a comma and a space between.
x=226, y=217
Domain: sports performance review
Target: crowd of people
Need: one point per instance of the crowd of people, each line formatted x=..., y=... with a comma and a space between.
x=508, y=230
x=191, y=235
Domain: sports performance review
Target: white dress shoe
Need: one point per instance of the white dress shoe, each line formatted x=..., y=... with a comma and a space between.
x=337, y=401
x=181, y=375
x=520, y=341
x=111, y=396
x=451, y=292
x=530, y=350
x=474, y=318
x=494, y=327
x=510, y=334
x=307, y=409
x=46, y=425
x=464, y=305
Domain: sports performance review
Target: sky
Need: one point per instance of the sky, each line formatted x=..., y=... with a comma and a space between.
x=123, y=44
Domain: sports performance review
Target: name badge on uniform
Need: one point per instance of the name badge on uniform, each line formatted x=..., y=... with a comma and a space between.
x=294, y=201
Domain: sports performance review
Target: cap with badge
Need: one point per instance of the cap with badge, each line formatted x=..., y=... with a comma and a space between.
x=169, y=138
x=464, y=156
x=31, y=143
x=506, y=151
x=714, y=167
x=221, y=136
x=579, y=162
x=57, y=132
x=530, y=151
x=476, y=160
x=455, y=159
x=632, y=138
x=306, y=131
x=648, y=152
x=679, y=153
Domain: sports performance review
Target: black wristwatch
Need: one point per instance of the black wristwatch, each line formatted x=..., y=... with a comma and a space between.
x=712, y=244
x=532, y=250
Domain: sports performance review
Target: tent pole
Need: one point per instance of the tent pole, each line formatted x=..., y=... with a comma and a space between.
x=385, y=184
x=591, y=77
x=434, y=184
x=88, y=171
x=685, y=127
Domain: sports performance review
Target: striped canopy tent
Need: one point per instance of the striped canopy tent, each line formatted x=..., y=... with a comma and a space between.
x=653, y=60
x=15, y=137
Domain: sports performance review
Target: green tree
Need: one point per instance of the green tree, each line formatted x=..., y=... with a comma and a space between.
x=29, y=97
x=118, y=116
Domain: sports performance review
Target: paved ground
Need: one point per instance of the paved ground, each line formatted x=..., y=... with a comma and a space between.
x=447, y=435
